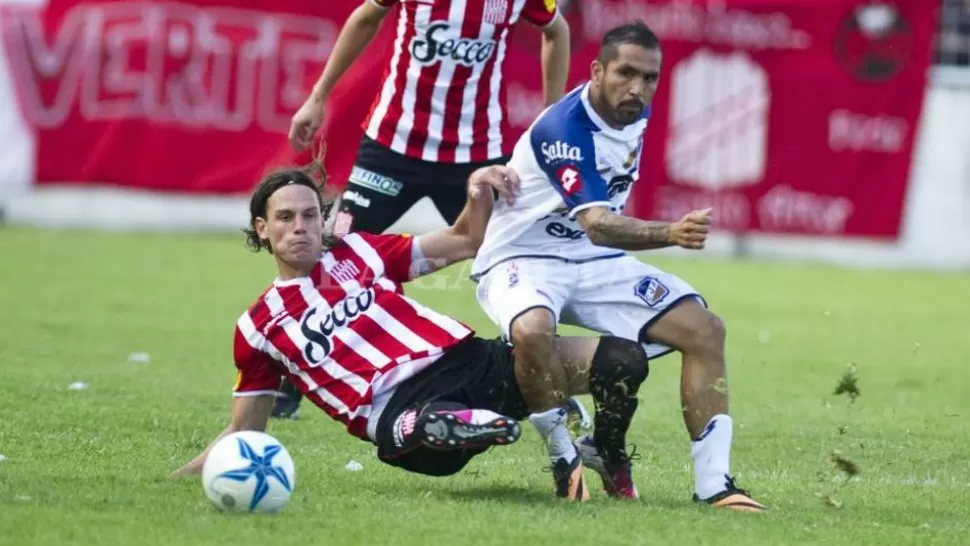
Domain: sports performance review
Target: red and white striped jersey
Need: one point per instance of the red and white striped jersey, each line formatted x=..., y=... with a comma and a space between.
x=442, y=97
x=345, y=333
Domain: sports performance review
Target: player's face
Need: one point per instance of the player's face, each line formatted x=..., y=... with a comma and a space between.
x=293, y=226
x=628, y=83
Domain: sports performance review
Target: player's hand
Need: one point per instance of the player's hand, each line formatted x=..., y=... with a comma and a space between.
x=502, y=179
x=305, y=123
x=691, y=230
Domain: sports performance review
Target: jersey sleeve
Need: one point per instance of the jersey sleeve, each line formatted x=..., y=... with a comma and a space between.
x=256, y=372
x=396, y=253
x=567, y=156
x=383, y=3
x=540, y=12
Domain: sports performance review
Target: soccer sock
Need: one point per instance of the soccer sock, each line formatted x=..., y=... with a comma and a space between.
x=619, y=367
x=711, y=452
x=552, y=427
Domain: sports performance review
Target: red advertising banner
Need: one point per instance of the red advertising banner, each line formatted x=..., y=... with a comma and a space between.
x=794, y=116
x=786, y=116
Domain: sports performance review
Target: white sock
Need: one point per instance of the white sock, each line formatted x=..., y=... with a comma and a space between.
x=552, y=427
x=712, y=456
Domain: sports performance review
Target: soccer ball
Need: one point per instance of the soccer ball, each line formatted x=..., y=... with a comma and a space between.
x=248, y=471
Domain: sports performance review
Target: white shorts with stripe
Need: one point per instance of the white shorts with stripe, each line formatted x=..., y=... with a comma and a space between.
x=616, y=295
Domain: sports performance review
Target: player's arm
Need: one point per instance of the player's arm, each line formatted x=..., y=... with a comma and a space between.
x=555, y=46
x=606, y=228
x=358, y=31
x=461, y=240
x=257, y=380
x=248, y=413
x=567, y=155
x=555, y=60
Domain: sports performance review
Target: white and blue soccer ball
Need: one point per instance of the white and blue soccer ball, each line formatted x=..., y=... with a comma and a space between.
x=249, y=471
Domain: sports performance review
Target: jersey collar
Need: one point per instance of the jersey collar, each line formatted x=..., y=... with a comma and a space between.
x=631, y=131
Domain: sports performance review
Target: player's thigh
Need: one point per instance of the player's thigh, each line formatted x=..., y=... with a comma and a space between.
x=514, y=288
x=449, y=200
x=477, y=374
x=625, y=297
x=447, y=185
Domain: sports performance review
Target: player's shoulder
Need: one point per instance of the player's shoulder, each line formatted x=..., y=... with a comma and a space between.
x=565, y=118
x=564, y=132
x=256, y=314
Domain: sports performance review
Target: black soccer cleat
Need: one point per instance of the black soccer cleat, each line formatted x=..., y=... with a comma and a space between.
x=468, y=428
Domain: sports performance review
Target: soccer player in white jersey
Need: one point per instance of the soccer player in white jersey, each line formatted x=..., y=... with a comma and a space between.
x=417, y=384
x=558, y=255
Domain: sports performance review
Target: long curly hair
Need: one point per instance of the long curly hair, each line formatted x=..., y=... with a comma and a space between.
x=312, y=175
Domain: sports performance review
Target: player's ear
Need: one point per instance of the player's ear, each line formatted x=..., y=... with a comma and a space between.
x=595, y=70
x=259, y=226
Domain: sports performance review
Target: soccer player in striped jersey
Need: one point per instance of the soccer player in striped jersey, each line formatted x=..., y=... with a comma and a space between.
x=441, y=110
x=418, y=384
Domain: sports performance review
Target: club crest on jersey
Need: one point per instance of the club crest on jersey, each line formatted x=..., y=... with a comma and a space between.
x=495, y=11
x=560, y=151
x=344, y=271
x=651, y=291
x=319, y=332
x=434, y=46
x=569, y=179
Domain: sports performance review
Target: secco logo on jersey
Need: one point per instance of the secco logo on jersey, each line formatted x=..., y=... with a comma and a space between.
x=433, y=46
x=321, y=331
x=560, y=151
x=569, y=178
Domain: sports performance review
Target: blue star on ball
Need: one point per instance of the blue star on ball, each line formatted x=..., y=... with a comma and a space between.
x=260, y=467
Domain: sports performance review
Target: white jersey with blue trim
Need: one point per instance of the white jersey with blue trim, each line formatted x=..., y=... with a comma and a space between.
x=568, y=160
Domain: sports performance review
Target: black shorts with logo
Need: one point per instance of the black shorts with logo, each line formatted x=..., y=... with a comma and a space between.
x=477, y=373
x=384, y=185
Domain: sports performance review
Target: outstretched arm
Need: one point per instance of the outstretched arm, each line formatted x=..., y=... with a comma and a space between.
x=248, y=413
x=461, y=240
x=604, y=228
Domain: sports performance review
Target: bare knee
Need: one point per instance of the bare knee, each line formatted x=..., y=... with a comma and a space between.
x=534, y=331
x=708, y=335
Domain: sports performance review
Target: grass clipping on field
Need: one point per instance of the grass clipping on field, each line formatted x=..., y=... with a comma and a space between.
x=844, y=467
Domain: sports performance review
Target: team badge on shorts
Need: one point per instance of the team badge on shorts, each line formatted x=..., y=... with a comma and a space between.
x=404, y=426
x=342, y=224
x=513, y=275
x=651, y=291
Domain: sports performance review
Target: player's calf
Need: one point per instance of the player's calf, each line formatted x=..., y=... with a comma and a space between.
x=618, y=369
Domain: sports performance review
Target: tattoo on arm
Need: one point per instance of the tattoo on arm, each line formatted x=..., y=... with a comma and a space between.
x=627, y=233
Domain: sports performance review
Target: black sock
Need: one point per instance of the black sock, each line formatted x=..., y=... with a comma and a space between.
x=290, y=390
x=619, y=367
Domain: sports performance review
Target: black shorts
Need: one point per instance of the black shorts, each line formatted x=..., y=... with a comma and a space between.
x=478, y=374
x=384, y=185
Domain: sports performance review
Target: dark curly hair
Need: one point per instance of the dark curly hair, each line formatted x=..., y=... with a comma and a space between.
x=302, y=176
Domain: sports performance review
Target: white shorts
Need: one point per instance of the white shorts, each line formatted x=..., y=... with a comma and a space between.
x=619, y=296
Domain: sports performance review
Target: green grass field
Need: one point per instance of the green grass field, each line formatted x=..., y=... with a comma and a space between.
x=90, y=466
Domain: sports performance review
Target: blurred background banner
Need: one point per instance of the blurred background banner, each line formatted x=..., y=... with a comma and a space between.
x=183, y=96
x=787, y=116
x=802, y=122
